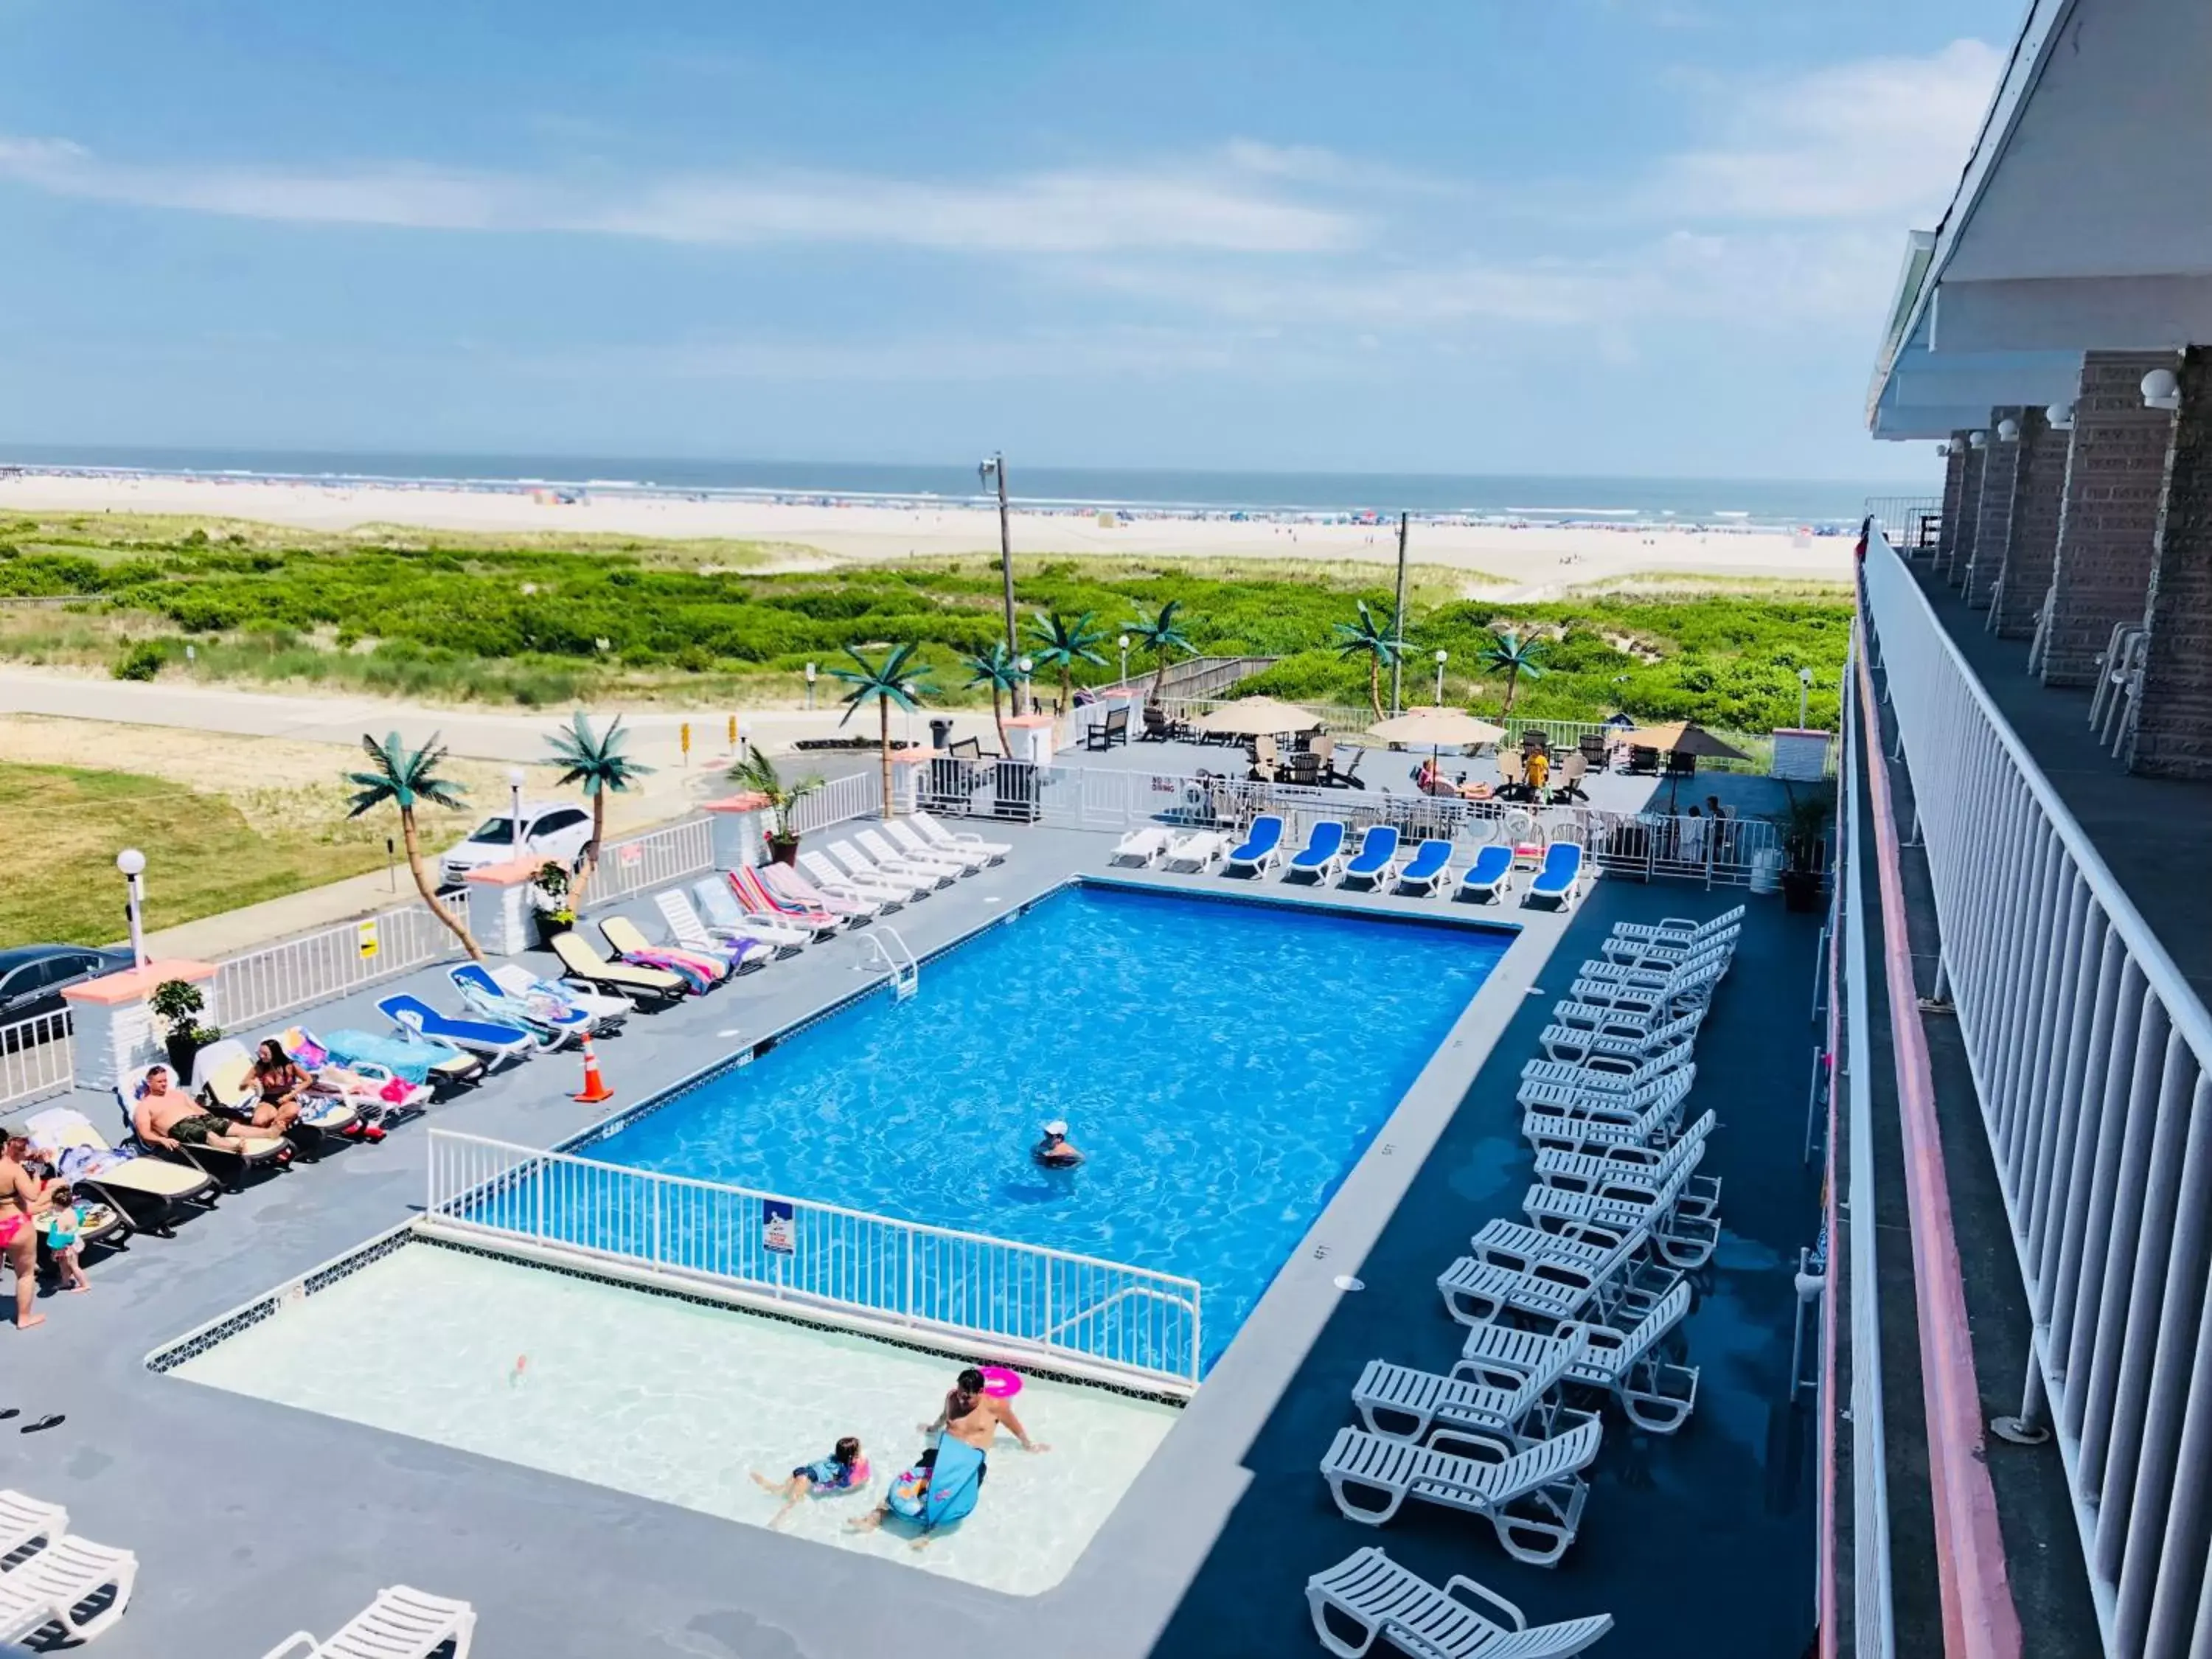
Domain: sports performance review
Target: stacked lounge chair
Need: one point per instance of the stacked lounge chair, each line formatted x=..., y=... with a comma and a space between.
x=53, y=1584
x=400, y=1624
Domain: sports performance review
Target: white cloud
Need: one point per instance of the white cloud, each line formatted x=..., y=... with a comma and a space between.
x=1206, y=205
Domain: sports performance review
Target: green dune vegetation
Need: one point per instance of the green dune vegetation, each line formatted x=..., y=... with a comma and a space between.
x=554, y=621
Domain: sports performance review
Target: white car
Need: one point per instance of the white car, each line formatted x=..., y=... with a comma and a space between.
x=551, y=830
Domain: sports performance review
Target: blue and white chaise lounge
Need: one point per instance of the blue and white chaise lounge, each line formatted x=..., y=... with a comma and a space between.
x=1426, y=871
x=1490, y=874
x=1261, y=851
x=493, y=1040
x=1376, y=861
x=1322, y=859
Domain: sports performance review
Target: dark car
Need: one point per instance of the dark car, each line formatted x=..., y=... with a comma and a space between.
x=33, y=976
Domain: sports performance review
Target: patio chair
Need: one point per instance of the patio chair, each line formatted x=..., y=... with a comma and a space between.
x=494, y=1040
x=1105, y=734
x=945, y=868
x=400, y=1624
x=551, y=1022
x=1158, y=727
x=1567, y=782
x=1677, y=934
x=262, y=1150
x=909, y=842
x=25, y=1520
x=1321, y=861
x=787, y=882
x=1641, y=760
x=224, y=1078
x=1198, y=852
x=705, y=969
x=1376, y=861
x=1662, y=973
x=397, y=1053
x=580, y=961
x=1517, y=1269
x=1143, y=847
x=1402, y=1403
x=1425, y=873
x=1512, y=773
x=1490, y=876
x=831, y=876
x=1261, y=850
x=1620, y=1355
x=1265, y=763
x=1579, y=1034
x=1560, y=880
x=1591, y=747
x=1677, y=994
x=1378, y=1597
x=1681, y=764
x=1532, y=1499
x=942, y=836
x=742, y=896
x=52, y=1587
x=861, y=861
x=757, y=933
x=608, y=1012
x=151, y=1194
x=1552, y=1098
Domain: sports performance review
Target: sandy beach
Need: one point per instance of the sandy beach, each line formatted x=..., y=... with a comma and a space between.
x=1529, y=561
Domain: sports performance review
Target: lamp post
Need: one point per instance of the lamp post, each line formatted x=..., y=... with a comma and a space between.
x=1398, y=621
x=1441, y=655
x=810, y=685
x=1125, y=662
x=132, y=863
x=1027, y=665
x=992, y=470
x=515, y=777
x=1804, y=693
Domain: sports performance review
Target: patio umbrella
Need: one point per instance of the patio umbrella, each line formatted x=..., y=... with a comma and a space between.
x=1435, y=730
x=1256, y=717
x=1682, y=738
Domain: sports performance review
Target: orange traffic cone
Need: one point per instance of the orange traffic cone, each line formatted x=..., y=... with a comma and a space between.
x=595, y=1087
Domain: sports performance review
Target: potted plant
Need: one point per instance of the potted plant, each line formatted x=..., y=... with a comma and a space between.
x=1804, y=832
x=552, y=898
x=177, y=1005
x=757, y=772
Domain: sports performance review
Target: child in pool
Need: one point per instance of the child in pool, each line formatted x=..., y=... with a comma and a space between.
x=843, y=1470
x=61, y=1238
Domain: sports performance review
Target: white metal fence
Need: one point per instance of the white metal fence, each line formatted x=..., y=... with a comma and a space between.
x=2093, y=1059
x=1719, y=852
x=1017, y=1300
x=638, y=863
x=252, y=987
x=36, y=1058
x=858, y=796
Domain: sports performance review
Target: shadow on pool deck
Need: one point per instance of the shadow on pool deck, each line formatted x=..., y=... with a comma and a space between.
x=1700, y=1544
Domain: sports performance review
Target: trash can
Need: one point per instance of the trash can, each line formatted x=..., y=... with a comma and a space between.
x=940, y=732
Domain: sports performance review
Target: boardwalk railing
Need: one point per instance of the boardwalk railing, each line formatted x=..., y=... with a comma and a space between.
x=859, y=796
x=2092, y=1057
x=36, y=1058
x=637, y=863
x=251, y=988
x=1016, y=1301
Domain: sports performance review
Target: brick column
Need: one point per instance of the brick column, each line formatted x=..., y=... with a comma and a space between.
x=1993, y=520
x=1961, y=527
x=2171, y=728
x=2017, y=605
x=2109, y=519
x=1954, y=484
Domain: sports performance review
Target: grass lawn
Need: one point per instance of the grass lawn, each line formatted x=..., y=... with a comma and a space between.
x=63, y=826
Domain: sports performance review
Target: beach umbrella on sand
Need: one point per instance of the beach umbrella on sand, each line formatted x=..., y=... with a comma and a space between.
x=1435, y=730
x=1256, y=717
x=1682, y=738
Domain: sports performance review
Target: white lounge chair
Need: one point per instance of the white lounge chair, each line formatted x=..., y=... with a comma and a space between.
x=833, y=878
x=1659, y=974
x=1199, y=851
x=1532, y=1497
x=787, y=881
x=862, y=862
x=1677, y=934
x=49, y=1587
x=25, y=1520
x=1518, y=1269
x=606, y=1011
x=740, y=895
x=1579, y=1034
x=1379, y=1597
x=909, y=843
x=944, y=867
x=749, y=942
x=1143, y=847
x=1402, y=1403
x=1621, y=1354
x=1653, y=1129
x=1572, y=1098
x=1683, y=1230
x=400, y=1624
x=947, y=837
x=1689, y=987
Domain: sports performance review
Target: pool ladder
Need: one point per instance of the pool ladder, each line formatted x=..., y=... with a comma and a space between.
x=900, y=964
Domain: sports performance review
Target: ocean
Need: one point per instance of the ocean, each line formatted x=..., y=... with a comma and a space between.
x=1749, y=502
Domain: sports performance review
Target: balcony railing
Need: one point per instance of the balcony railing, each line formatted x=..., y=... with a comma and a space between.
x=2092, y=1057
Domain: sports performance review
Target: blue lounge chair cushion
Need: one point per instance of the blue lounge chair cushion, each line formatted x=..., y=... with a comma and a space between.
x=1377, y=848
x=1322, y=848
x=1428, y=862
x=469, y=1033
x=1492, y=864
x=402, y=1057
x=550, y=1010
x=1265, y=836
x=1562, y=863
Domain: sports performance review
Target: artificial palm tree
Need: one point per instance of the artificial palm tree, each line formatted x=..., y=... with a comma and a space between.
x=1373, y=638
x=895, y=680
x=1508, y=651
x=1163, y=636
x=1060, y=642
x=404, y=779
x=596, y=761
x=1000, y=670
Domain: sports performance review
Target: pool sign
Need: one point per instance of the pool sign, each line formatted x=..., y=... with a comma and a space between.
x=365, y=938
x=779, y=1230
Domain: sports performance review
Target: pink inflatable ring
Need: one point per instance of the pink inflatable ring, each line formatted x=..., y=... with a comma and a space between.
x=999, y=1383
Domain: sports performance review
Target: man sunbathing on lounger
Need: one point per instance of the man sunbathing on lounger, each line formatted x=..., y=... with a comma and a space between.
x=169, y=1118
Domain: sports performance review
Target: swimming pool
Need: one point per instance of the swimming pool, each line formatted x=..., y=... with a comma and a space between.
x=1222, y=1063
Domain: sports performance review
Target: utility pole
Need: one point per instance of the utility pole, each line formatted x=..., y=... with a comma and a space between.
x=1398, y=619
x=995, y=468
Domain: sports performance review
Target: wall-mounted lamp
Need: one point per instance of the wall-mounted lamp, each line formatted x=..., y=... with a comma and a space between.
x=2061, y=417
x=1979, y=440
x=2161, y=390
x=2007, y=429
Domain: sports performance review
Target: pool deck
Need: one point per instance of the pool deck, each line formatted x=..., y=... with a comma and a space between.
x=251, y=1520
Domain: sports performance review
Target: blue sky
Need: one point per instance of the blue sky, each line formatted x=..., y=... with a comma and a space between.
x=1582, y=236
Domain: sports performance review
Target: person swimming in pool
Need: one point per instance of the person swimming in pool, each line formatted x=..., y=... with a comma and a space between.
x=1055, y=1151
x=843, y=1470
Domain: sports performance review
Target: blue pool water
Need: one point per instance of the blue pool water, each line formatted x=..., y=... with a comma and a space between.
x=1222, y=1064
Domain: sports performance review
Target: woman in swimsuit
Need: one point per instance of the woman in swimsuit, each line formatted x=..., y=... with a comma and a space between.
x=22, y=1196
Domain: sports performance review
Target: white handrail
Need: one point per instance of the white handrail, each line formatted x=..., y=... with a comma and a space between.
x=905, y=970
